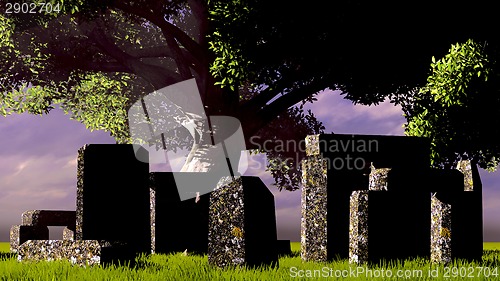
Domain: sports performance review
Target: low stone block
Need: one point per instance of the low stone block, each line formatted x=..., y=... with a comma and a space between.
x=49, y=218
x=79, y=252
x=22, y=233
x=83, y=253
x=113, y=196
x=242, y=224
x=179, y=225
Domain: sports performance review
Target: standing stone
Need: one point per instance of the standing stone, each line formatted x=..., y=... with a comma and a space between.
x=457, y=222
x=358, y=227
x=313, y=230
x=113, y=197
x=336, y=166
x=440, y=230
x=468, y=227
x=179, y=225
x=242, y=224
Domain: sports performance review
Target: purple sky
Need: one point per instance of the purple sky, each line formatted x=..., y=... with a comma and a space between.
x=38, y=162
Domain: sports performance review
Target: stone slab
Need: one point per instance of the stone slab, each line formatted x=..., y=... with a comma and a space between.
x=113, y=196
x=179, y=225
x=242, y=224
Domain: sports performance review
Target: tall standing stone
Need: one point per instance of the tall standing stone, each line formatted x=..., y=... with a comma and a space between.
x=242, y=224
x=113, y=197
x=457, y=219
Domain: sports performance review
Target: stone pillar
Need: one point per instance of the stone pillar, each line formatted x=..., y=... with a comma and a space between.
x=313, y=230
x=242, y=224
x=113, y=196
x=440, y=230
x=358, y=227
x=457, y=219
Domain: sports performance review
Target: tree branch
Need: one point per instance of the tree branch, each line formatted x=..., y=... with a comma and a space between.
x=157, y=76
x=166, y=27
x=271, y=111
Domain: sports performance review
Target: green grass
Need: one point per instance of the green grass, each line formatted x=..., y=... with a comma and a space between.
x=179, y=267
x=4, y=247
x=491, y=245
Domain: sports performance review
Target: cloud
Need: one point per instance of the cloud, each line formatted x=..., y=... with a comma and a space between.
x=38, y=163
x=341, y=116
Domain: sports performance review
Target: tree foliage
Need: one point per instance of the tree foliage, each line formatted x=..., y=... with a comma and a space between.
x=252, y=59
x=458, y=107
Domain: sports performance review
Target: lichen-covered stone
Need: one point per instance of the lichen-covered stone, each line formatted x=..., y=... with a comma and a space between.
x=358, y=228
x=226, y=238
x=242, y=224
x=68, y=234
x=83, y=253
x=80, y=176
x=22, y=233
x=312, y=145
x=152, y=209
x=314, y=209
x=441, y=231
x=464, y=166
x=378, y=179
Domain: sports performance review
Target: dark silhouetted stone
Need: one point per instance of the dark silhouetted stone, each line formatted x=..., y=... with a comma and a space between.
x=336, y=166
x=179, y=225
x=396, y=211
x=113, y=196
x=242, y=224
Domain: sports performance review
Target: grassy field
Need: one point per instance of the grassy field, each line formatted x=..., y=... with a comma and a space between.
x=179, y=267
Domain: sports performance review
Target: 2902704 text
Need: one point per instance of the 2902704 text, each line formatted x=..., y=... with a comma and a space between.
x=32, y=8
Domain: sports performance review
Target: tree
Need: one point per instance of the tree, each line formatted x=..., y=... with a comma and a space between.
x=458, y=107
x=252, y=59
